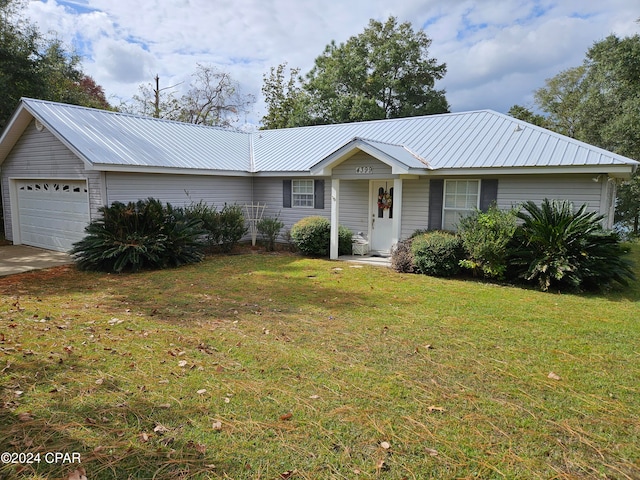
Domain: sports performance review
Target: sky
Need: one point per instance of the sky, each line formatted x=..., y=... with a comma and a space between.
x=497, y=51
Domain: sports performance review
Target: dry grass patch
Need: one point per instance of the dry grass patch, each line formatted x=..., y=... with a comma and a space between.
x=275, y=366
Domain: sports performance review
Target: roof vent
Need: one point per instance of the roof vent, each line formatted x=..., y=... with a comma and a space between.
x=518, y=128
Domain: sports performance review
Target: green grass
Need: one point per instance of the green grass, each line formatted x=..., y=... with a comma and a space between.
x=310, y=366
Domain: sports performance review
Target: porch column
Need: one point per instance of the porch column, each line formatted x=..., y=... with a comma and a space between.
x=335, y=204
x=396, y=225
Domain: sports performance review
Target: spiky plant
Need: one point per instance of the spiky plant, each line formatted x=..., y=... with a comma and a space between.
x=140, y=235
x=559, y=247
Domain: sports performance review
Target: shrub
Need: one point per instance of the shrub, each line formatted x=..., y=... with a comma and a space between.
x=231, y=227
x=223, y=229
x=345, y=241
x=140, y=235
x=566, y=249
x=209, y=217
x=312, y=236
x=269, y=228
x=437, y=253
x=485, y=237
x=402, y=258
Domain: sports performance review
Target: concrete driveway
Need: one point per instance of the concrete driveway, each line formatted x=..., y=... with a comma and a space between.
x=20, y=258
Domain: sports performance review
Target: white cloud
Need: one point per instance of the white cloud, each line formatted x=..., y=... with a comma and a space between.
x=497, y=52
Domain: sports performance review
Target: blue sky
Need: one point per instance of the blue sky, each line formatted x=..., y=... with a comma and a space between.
x=497, y=51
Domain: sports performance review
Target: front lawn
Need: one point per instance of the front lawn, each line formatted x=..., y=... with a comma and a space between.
x=264, y=366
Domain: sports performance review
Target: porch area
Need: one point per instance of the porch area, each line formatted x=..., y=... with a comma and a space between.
x=368, y=259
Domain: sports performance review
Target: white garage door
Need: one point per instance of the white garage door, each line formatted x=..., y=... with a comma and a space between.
x=52, y=213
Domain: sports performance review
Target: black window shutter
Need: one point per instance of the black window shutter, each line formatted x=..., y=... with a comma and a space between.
x=318, y=194
x=286, y=193
x=436, y=192
x=488, y=193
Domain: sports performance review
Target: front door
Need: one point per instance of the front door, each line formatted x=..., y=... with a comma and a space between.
x=381, y=216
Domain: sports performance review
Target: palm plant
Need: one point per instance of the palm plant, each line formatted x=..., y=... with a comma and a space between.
x=559, y=247
x=140, y=235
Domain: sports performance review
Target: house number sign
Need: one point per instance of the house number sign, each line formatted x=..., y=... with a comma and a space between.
x=364, y=170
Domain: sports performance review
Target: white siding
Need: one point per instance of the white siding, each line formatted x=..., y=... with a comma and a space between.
x=38, y=154
x=269, y=190
x=354, y=205
x=415, y=208
x=579, y=189
x=178, y=190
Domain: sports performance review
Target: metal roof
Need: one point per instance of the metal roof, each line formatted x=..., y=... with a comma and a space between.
x=469, y=140
x=116, y=139
x=457, y=141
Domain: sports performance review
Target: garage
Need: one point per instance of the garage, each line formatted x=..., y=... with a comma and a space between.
x=52, y=213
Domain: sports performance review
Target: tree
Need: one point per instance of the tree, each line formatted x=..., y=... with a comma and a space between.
x=213, y=98
x=385, y=72
x=285, y=99
x=19, y=74
x=527, y=115
x=561, y=99
x=34, y=66
x=154, y=102
x=599, y=103
x=628, y=205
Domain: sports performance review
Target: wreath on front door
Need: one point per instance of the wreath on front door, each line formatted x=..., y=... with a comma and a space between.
x=385, y=200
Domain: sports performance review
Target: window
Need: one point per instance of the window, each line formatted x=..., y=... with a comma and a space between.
x=302, y=193
x=461, y=198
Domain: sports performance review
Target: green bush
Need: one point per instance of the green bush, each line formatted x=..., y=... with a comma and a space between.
x=140, y=235
x=558, y=247
x=345, y=240
x=223, y=229
x=312, y=236
x=437, y=253
x=269, y=228
x=485, y=237
x=209, y=217
x=231, y=227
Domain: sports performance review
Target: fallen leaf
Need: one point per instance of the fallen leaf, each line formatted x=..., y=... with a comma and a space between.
x=431, y=451
x=144, y=437
x=385, y=445
x=286, y=416
x=202, y=391
x=217, y=425
x=287, y=474
x=99, y=381
x=380, y=465
x=433, y=408
x=553, y=376
x=199, y=447
x=182, y=363
x=314, y=397
x=159, y=428
x=227, y=399
x=78, y=474
x=164, y=405
x=25, y=417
